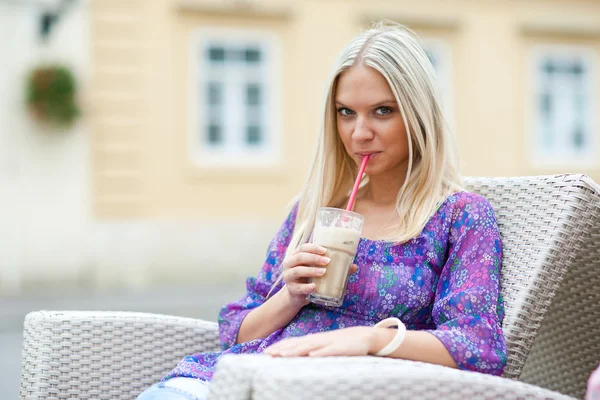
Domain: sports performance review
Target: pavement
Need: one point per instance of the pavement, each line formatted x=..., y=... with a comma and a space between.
x=203, y=302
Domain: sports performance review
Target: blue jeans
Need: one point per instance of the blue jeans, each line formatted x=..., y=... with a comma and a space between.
x=176, y=389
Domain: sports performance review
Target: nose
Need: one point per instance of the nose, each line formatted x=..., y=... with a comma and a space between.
x=362, y=129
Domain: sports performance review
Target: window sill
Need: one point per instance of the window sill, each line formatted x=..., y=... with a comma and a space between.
x=239, y=172
x=237, y=7
x=420, y=20
x=563, y=162
x=557, y=25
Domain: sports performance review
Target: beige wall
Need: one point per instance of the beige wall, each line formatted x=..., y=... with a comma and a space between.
x=44, y=172
x=142, y=78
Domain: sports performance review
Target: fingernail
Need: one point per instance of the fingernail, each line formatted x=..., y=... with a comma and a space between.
x=321, y=271
x=325, y=260
x=321, y=249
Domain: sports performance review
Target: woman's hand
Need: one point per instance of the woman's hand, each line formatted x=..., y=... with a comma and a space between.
x=308, y=261
x=355, y=341
x=362, y=341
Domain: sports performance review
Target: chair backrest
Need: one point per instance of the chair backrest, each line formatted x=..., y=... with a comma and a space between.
x=550, y=228
x=105, y=355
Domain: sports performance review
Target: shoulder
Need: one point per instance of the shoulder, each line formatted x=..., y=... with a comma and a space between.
x=293, y=207
x=467, y=200
x=467, y=208
x=292, y=213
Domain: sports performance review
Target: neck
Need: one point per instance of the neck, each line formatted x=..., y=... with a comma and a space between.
x=383, y=190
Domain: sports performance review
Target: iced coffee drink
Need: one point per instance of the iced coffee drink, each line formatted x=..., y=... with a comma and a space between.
x=339, y=232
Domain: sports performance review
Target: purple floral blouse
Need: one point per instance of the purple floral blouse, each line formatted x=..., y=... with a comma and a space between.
x=445, y=281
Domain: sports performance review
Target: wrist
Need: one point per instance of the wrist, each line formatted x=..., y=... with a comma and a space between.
x=291, y=300
x=379, y=338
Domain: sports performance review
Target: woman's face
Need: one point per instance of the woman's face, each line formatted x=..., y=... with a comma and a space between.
x=369, y=121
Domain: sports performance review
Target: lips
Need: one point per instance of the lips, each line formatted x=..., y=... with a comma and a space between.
x=368, y=153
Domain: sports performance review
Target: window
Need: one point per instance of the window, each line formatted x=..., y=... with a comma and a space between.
x=439, y=54
x=563, y=105
x=235, y=105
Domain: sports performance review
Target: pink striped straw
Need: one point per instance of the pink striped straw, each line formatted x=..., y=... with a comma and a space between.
x=361, y=171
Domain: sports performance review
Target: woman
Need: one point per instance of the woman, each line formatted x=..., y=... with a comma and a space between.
x=430, y=254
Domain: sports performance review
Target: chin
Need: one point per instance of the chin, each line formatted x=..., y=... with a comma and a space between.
x=372, y=171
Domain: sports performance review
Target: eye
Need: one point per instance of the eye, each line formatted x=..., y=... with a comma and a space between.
x=383, y=110
x=345, y=112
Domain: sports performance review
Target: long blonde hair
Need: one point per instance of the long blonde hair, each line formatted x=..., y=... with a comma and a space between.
x=393, y=51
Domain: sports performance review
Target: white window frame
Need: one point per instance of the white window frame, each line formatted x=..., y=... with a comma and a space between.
x=562, y=156
x=442, y=50
x=267, y=154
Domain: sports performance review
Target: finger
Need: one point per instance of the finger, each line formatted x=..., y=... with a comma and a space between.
x=292, y=342
x=304, y=349
x=314, y=340
x=296, y=348
x=308, y=259
x=300, y=351
x=311, y=248
x=326, y=351
x=272, y=352
x=301, y=288
x=353, y=269
x=276, y=348
x=299, y=272
x=279, y=352
x=305, y=259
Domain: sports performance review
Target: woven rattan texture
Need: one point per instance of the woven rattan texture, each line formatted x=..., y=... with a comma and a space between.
x=551, y=236
x=102, y=355
x=546, y=224
x=567, y=346
x=360, y=378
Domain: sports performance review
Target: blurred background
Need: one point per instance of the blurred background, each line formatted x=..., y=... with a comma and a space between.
x=149, y=148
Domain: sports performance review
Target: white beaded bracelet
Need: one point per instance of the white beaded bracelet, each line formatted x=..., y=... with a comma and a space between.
x=397, y=340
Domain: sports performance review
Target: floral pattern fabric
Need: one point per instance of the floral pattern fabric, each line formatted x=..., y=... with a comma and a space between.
x=445, y=281
x=593, y=386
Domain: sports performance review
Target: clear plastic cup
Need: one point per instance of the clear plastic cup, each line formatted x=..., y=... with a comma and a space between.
x=339, y=232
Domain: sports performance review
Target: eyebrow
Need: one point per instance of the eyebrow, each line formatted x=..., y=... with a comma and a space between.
x=374, y=105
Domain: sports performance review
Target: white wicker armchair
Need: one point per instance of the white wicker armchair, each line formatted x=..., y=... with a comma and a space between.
x=550, y=227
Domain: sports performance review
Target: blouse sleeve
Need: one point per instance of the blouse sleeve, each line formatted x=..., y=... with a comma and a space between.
x=468, y=308
x=232, y=314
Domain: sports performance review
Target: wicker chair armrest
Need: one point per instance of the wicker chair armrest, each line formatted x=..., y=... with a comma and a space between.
x=105, y=355
x=264, y=378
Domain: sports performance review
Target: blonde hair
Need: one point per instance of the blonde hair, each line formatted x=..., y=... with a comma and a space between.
x=432, y=175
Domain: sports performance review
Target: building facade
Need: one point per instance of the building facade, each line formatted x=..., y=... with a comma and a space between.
x=209, y=110
x=203, y=114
